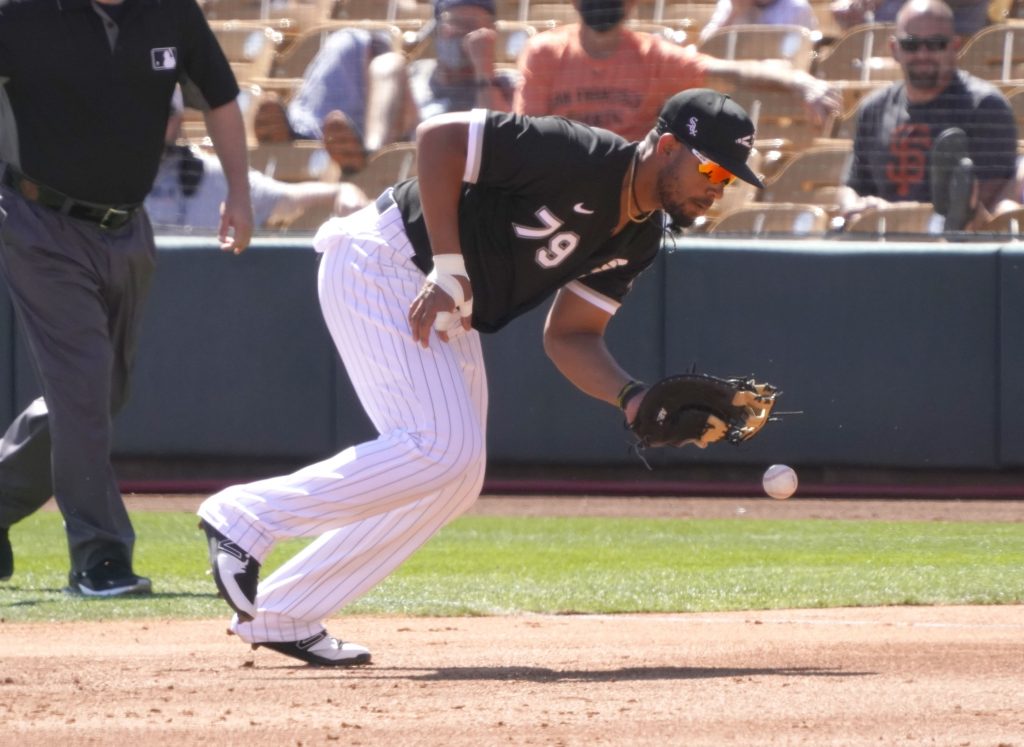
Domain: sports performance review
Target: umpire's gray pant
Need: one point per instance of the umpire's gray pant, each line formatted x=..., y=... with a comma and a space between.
x=78, y=291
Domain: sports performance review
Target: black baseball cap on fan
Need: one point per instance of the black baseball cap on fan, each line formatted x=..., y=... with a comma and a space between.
x=715, y=125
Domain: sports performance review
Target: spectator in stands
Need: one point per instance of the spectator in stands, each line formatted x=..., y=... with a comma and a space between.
x=330, y=105
x=190, y=186
x=357, y=97
x=969, y=16
x=767, y=12
x=894, y=158
x=460, y=76
x=601, y=73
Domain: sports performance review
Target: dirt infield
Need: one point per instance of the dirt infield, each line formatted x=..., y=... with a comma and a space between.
x=889, y=676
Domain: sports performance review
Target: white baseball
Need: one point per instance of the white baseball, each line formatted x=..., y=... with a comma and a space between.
x=779, y=481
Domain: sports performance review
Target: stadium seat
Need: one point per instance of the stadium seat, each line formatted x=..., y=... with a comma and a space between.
x=861, y=54
x=1009, y=222
x=674, y=34
x=810, y=176
x=383, y=10
x=309, y=220
x=781, y=219
x=511, y=10
x=916, y=218
x=287, y=16
x=297, y=161
x=554, y=12
x=845, y=127
x=827, y=24
x=232, y=10
x=781, y=119
x=693, y=16
x=853, y=92
x=1016, y=98
x=793, y=44
x=293, y=61
x=249, y=48
x=644, y=10
x=995, y=53
x=390, y=164
x=421, y=11
x=512, y=37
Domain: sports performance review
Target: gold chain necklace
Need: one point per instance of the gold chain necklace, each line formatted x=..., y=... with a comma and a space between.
x=632, y=193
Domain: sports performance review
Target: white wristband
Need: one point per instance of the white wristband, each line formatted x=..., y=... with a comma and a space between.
x=451, y=264
x=448, y=268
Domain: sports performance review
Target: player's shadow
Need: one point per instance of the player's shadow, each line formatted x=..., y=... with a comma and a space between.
x=627, y=674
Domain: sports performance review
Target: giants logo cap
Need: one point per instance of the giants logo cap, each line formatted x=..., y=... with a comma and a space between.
x=714, y=124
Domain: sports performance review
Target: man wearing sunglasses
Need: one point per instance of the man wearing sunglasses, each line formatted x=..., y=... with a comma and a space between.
x=510, y=211
x=898, y=153
x=969, y=16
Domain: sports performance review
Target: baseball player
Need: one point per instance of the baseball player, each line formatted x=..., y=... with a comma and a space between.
x=508, y=210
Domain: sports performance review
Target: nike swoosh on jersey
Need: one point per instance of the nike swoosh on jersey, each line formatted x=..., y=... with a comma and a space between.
x=578, y=207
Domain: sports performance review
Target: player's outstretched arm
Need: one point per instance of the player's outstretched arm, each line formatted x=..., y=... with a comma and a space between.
x=574, y=341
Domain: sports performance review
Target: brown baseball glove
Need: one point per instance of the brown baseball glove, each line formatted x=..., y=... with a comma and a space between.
x=700, y=409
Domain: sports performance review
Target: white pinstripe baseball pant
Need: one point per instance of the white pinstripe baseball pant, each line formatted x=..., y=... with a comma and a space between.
x=374, y=504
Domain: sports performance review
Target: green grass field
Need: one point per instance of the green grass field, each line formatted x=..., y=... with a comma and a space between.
x=493, y=565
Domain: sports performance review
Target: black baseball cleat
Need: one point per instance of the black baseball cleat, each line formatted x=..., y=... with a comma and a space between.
x=6, y=555
x=110, y=578
x=321, y=650
x=236, y=573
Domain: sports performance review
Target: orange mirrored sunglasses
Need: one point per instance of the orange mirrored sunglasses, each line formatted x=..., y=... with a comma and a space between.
x=715, y=174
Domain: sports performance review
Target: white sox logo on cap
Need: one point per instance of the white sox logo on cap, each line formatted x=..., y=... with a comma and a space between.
x=713, y=124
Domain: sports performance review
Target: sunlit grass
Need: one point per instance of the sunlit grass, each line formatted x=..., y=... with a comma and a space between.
x=494, y=565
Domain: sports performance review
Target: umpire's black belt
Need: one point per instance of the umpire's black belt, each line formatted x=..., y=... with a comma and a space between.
x=105, y=216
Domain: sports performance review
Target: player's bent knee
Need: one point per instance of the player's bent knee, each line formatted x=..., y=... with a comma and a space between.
x=444, y=459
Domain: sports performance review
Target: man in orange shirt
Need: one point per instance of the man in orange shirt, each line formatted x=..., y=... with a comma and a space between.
x=601, y=73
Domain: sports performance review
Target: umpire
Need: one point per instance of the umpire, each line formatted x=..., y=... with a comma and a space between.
x=84, y=102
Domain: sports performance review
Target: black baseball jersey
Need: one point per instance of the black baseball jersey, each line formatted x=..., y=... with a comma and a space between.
x=893, y=143
x=89, y=94
x=539, y=203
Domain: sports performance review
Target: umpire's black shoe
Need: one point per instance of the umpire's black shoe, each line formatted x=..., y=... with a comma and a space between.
x=236, y=572
x=321, y=650
x=110, y=578
x=6, y=555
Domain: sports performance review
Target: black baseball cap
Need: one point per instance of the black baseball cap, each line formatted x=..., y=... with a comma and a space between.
x=715, y=125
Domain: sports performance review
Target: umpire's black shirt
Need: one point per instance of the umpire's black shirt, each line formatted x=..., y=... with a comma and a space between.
x=88, y=96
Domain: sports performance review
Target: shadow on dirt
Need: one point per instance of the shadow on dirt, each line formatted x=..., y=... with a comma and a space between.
x=541, y=674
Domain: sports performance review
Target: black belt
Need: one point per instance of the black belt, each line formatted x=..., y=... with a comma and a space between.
x=385, y=201
x=105, y=216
